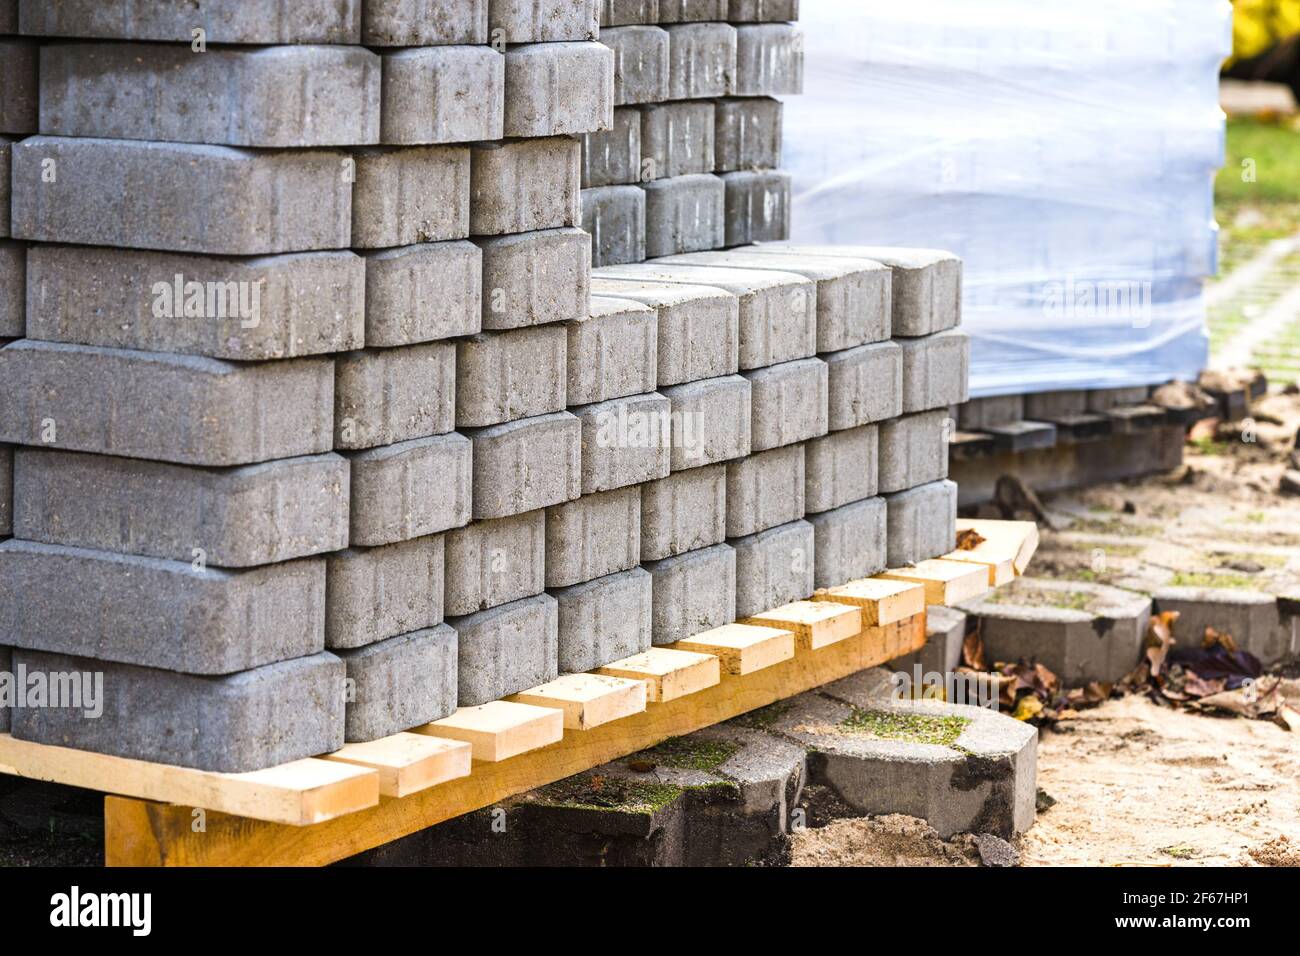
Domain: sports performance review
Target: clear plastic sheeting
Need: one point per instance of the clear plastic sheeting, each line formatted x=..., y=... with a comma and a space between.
x=1065, y=152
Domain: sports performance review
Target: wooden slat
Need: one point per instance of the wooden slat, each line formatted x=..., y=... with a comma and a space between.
x=1014, y=541
x=501, y=729
x=742, y=648
x=407, y=763
x=588, y=700
x=881, y=602
x=1000, y=572
x=814, y=623
x=295, y=794
x=946, y=582
x=669, y=674
x=152, y=834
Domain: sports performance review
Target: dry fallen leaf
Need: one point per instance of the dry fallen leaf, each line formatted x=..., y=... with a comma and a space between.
x=1221, y=638
x=1027, y=708
x=968, y=539
x=972, y=651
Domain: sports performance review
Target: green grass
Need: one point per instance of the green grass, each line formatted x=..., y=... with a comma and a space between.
x=914, y=728
x=1251, y=214
x=1205, y=579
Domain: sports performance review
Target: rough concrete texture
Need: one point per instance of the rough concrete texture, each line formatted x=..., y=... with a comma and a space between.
x=640, y=63
x=399, y=683
x=701, y=60
x=525, y=185
x=526, y=464
x=789, y=403
x=684, y=214
x=764, y=490
x=495, y=562
x=536, y=277
x=748, y=134
x=223, y=21
x=280, y=96
x=612, y=157
x=603, y=620
x=769, y=60
x=774, y=567
x=411, y=194
x=555, y=89
x=613, y=352
x=384, y=396
x=849, y=542
x=1081, y=631
x=615, y=218
x=376, y=593
x=6, y=172
x=692, y=11
x=268, y=201
x=248, y=721
x=13, y=281
x=502, y=376
x=625, y=441
x=936, y=370
x=6, y=490
x=699, y=327
x=693, y=592
x=157, y=613
x=684, y=512
x=617, y=13
x=914, y=450
x=1104, y=399
x=402, y=283
x=506, y=649
x=1251, y=617
x=443, y=94
x=841, y=468
x=6, y=667
x=178, y=408
x=424, y=22
x=246, y=309
x=593, y=536
x=710, y=421
x=223, y=517
x=410, y=489
x=981, y=413
x=677, y=138
x=762, y=11
x=922, y=522
x=528, y=21
x=945, y=630
x=865, y=385
x=19, y=86
x=1049, y=406
x=758, y=206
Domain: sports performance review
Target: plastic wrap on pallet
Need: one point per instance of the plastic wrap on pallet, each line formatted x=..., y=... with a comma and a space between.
x=1065, y=152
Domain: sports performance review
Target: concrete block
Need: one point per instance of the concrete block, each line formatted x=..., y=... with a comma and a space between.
x=376, y=593
x=774, y=567
x=410, y=489
x=1251, y=617
x=593, y=536
x=936, y=370
x=6, y=173
x=640, y=64
x=849, y=542
x=699, y=327
x=525, y=185
x=178, y=408
x=684, y=214
x=222, y=21
x=614, y=352
x=385, y=396
x=701, y=61
x=19, y=86
x=692, y=592
x=769, y=60
x=424, y=22
x=247, y=309
x=922, y=522
x=748, y=133
x=625, y=441
x=692, y=11
x=559, y=88
x=277, y=201
x=7, y=490
x=13, y=291
x=1104, y=399
x=617, y=13
x=502, y=376
x=424, y=292
x=399, y=683
x=758, y=206
x=612, y=157
x=778, y=310
x=604, y=620
x=226, y=517
x=841, y=468
x=536, y=277
x=762, y=11
x=526, y=464
x=866, y=385
x=507, y=649
x=677, y=139
x=710, y=421
x=6, y=667
x=684, y=512
x=914, y=450
x=260, y=718
x=280, y=96
x=789, y=403
x=1051, y=406
x=615, y=217
x=543, y=21
x=981, y=413
x=409, y=195
x=495, y=562
x=945, y=632
x=158, y=613
x=443, y=94
x=765, y=490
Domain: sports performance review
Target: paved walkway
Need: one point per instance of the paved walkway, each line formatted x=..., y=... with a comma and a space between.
x=1254, y=313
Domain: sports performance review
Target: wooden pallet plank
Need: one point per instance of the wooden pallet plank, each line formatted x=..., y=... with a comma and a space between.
x=669, y=674
x=946, y=582
x=407, y=763
x=814, y=623
x=501, y=729
x=1000, y=572
x=1014, y=541
x=588, y=700
x=150, y=834
x=742, y=648
x=881, y=602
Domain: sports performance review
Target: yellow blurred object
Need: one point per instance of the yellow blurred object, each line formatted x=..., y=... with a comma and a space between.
x=1259, y=25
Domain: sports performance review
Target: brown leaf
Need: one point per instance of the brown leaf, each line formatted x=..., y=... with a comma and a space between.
x=968, y=539
x=1160, y=638
x=972, y=651
x=1221, y=638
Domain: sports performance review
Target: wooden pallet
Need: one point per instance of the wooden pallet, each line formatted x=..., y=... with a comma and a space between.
x=320, y=810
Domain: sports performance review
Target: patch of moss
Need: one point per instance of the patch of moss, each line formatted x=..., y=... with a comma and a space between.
x=765, y=717
x=1178, y=852
x=690, y=753
x=1116, y=526
x=913, y=728
x=1205, y=579
x=606, y=793
x=1264, y=560
x=1033, y=597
